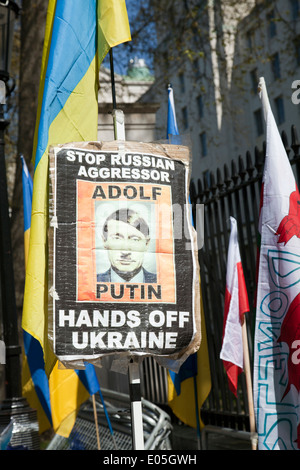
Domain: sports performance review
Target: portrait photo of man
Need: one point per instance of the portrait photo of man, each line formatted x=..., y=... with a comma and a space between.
x=126, y=239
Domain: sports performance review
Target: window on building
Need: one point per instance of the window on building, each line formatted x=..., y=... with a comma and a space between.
x=258, y=118
x=294, y=5
x=182, y=82
x=279, y=105
x=196, y=68
x=275, y=66
x=185, y=118
x=271, y=24
x=249, y=38
x=196, y=33
x=172, y=15
x=165, y=57
x=200, y=106
x=297, y=50
x=203, y=144
x=254, y=80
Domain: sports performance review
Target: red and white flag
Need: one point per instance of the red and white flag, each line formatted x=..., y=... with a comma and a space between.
x=236, y=305
x=276, y=372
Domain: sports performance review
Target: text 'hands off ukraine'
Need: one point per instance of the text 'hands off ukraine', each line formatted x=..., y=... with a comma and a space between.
x=122, y=278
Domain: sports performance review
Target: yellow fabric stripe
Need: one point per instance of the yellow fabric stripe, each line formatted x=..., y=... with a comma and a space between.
x=64, y=404
x=113, y=25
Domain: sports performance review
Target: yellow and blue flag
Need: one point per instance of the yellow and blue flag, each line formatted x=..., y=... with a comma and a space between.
x=78, y=34
x=34, y=379
x=189, y=388
x=54, y=404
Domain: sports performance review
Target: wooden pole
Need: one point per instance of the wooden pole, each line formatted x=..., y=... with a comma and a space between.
x=96, y=421
x=118, y=115
x=247, y=371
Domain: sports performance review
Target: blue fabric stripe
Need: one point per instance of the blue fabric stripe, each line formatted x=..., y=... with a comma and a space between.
x=73, y=47
x=89, y=378
x=36, y=365
x=34, y=354
x=188, y=369
x=171, y=121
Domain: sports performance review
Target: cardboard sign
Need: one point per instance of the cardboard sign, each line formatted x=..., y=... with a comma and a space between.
x=124, y=276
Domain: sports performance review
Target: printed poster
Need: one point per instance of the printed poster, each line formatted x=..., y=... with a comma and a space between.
x=123, y=261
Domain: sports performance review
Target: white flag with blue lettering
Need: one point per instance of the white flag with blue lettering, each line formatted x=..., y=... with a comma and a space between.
x=277, y=334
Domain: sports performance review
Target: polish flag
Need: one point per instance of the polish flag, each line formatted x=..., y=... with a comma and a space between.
x=236, y=305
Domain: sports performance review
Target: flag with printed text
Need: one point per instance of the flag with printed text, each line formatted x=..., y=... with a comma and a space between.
x=277, y=333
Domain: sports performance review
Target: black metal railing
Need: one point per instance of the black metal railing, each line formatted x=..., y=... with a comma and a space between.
x=232, y=192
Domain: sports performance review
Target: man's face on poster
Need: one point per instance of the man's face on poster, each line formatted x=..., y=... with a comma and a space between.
x=125, y=246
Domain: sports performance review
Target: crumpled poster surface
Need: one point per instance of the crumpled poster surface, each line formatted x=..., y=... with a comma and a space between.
x=123, y=264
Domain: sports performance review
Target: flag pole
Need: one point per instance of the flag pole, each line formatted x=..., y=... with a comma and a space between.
x=262, y=91
x=96, y=421
x=133, y=367
x=112, y=78
x=247, y=371
x=197, y=413
x=118, y=115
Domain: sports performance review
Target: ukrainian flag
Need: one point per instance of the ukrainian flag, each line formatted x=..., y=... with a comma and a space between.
x=56, y=407
x=189, y=388
x=78, y=34
x=34, y=380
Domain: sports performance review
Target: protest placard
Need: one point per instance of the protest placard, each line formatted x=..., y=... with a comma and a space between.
x=124, y=274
